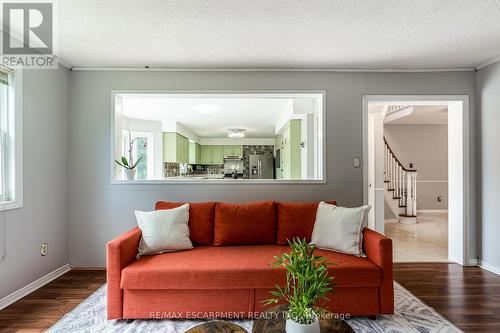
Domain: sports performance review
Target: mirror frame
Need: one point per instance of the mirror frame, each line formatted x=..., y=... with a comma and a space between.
x=111, y=160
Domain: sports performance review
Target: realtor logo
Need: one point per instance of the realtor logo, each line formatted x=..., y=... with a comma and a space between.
x=28, y=34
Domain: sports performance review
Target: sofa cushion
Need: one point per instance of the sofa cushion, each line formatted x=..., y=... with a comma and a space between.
x=163, y=230
x=296, y=219
x=201, y=220
x=236, y=267
x=250, y=223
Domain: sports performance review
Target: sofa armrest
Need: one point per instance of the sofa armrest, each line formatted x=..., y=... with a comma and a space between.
x=378, y=249
x=121, y=251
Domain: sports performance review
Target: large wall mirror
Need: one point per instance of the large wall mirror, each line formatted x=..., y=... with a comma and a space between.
x=218, y=136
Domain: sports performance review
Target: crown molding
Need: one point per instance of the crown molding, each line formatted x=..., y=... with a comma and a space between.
x=487, y=63
x=270, y=69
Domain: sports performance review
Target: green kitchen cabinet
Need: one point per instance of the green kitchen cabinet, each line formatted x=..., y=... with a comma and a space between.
x=285, y=150
x=233, y=151
x=194, y=153
x=291, y=150
x=175, y=148
x=206, y=155
x=212, y=154
x=238, y=151
x=217, y=154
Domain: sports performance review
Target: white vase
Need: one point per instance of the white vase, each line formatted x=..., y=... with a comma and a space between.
x=292, y=326
x=130, y=174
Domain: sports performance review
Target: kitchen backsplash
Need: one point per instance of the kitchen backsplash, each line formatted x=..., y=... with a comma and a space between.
x=173, y=169
x=254, y=150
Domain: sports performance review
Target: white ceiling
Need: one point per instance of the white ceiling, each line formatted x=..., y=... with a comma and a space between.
x=257, y=116
x=424, y=115
x=354, y=34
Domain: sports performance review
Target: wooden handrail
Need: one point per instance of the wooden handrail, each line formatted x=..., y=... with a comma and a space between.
x=396, y=158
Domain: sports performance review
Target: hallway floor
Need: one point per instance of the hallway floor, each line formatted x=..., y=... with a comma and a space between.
x=426, y=241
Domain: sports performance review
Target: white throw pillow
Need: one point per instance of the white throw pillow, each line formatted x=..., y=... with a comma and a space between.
x=340, y=229
x=164, y=230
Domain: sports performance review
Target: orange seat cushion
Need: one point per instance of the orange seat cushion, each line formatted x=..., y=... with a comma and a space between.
x=296, y=219
x=251, y=223
x=201, y=220
x=236, y=267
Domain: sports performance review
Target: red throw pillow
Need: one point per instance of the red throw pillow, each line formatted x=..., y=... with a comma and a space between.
x=296, y=219
x=201, y=220
x=239, y=224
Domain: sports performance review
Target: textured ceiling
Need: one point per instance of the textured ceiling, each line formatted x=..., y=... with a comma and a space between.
x=355, y=34
x=257, y=116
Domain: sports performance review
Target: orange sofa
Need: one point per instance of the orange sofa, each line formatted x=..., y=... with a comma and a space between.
x=228, y=272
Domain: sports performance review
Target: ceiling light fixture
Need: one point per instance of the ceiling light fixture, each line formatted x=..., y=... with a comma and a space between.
x=206, y=108
x=236, y=133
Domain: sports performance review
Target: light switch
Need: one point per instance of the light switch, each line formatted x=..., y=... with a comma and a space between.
x=356, y=162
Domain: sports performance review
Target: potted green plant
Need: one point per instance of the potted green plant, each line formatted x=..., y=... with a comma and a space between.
x=129, y=165
x=307, y=282
x=129, y=169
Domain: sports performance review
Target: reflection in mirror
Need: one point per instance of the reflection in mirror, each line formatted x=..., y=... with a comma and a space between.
x=218, y=136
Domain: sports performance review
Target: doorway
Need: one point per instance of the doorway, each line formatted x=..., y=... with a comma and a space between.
x=437, y=230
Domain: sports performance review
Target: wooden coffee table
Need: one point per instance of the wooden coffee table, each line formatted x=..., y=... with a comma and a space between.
x=275, y=322
x=217, y=327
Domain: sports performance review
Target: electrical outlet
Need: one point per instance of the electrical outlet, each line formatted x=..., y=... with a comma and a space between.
x=44, y=249
x=356, y=162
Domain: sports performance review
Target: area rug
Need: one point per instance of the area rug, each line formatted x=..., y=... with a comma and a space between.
x=411, y=315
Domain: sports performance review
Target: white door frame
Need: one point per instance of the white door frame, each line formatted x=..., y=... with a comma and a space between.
x=459, y=251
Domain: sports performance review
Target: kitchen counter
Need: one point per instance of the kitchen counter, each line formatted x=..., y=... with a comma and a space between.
x=198, y=177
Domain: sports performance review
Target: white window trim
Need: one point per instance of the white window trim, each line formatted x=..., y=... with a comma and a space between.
x=15, y=153
x=320, y=150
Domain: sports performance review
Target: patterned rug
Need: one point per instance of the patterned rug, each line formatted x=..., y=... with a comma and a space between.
x=411, y=315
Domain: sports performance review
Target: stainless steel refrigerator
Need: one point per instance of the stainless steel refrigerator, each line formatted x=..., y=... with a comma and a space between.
x=261, y=167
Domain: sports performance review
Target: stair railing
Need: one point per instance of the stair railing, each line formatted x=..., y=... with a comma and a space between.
x=402, y=182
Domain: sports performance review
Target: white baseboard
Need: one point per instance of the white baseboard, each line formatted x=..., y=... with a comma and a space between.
x=18, y=294
x=489, y=267
x=430, y=211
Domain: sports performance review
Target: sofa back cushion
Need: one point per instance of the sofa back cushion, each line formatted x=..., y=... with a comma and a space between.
x=201, y=220
x=296, y=219
x=240, y=224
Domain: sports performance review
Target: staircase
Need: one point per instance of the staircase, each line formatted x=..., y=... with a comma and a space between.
x=400, y=192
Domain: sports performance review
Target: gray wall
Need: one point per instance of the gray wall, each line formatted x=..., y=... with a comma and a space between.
x=488, y=88
x=99, y=211
x=44, y=214
x=426, y=146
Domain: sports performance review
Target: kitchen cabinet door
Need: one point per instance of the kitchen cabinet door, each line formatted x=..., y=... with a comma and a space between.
x=238, y=151
x=169, y=147
x=192, y=153
x=185, y=150
x=217, y=154
x=206, y=155
x=286, y=161
x=228, y=151
x=197, y=153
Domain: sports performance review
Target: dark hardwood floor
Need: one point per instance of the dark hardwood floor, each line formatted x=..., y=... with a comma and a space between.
x=468, y=296
x=45, y=306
